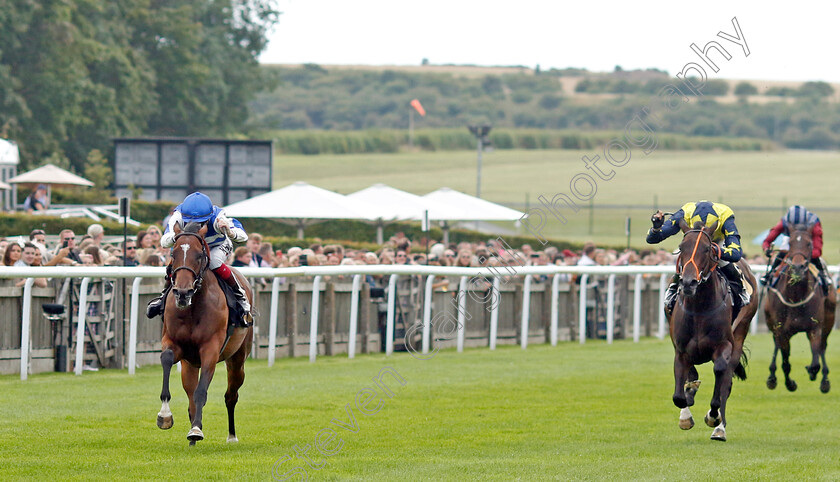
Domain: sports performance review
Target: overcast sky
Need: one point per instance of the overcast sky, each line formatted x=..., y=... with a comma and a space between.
x=787, y=41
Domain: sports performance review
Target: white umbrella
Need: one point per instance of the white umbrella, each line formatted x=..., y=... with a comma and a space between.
x=9, y=153
x=463, y=207
x=303, y=203
x=50, y=174
x=394, y=204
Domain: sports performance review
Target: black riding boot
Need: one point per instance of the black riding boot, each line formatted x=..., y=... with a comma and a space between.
x=155, y=307
x=824, y=280
x=671, y=294
x=242, y=298
x=734, y=278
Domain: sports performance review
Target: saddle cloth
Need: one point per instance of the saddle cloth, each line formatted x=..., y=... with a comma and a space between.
x=235, y=314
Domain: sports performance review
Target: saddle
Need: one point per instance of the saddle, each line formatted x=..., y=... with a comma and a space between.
x=235, y=314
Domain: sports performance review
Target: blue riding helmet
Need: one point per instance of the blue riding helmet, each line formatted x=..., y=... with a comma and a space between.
x=197, y=207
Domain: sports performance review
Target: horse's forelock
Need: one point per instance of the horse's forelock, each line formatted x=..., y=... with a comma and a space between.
x=192, y=227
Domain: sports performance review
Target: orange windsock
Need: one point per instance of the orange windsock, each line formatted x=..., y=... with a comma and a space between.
x=419, y=108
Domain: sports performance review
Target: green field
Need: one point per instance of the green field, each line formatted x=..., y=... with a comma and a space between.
x=669, y=178
x=548, y=413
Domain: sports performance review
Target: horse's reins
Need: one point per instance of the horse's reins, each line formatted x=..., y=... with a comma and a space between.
x=789, y=264
x=694, y=252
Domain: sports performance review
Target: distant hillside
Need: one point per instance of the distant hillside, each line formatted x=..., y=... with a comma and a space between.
x=797, y=115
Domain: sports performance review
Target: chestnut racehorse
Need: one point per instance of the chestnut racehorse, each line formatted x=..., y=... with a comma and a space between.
x=195, y=331
x=798, y=304
x=702, y=328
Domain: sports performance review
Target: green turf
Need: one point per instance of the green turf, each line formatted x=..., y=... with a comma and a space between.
x=567, y=412
x=771, y=179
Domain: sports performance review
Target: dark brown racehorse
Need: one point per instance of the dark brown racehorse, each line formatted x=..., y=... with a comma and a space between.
x=702, y=328
x=195, y=324
x=798, y=304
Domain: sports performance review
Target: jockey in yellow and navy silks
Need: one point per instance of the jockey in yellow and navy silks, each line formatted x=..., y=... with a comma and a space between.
x=726, y=235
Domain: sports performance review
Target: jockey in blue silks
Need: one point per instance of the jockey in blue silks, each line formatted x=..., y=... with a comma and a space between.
x=221, y=233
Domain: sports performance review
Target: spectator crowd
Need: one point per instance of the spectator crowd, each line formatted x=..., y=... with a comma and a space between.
x=144, y=249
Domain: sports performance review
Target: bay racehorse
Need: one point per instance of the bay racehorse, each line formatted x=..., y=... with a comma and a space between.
x=195, y=332
x=703, y=329
x=798, y=304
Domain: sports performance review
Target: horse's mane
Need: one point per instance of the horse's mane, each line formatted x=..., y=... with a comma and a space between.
x=192, y=227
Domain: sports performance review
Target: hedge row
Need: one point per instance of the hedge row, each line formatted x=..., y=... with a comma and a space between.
x=386, y=141
x=23, y=224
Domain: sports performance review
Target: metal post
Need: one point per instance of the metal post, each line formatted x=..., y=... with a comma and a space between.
x=637, y=307
x=582, y=309
x=354, y=316
x=272, y=320
x=313, y=320
x=132, y=325
x=610, y=308
x=555, y=309
x=494, y=315
x=25, y=327
x=663, y=287
x=389, y=323
x=526, y=310
x=80, y=328
x=478, y=177
x=462, y=318
x=427, y=312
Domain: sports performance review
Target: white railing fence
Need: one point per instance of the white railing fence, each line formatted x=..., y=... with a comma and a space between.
x=358, y=272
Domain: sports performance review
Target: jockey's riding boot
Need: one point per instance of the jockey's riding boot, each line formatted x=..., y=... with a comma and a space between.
x=734, y=277
x=155, y=307
x=242, y=298
x=824, y=280
x=671, y=294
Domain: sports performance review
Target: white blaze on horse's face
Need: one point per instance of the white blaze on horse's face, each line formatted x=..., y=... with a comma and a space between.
x=185, y=247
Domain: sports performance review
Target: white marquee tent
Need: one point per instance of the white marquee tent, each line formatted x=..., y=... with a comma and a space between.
x=394, y=204
x=302, y=204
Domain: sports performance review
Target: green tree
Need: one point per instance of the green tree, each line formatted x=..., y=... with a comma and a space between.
x=815, y=89
x=745, y=88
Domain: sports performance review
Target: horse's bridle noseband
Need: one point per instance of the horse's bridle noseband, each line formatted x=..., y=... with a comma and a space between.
x=702, y=278
x=205, y=262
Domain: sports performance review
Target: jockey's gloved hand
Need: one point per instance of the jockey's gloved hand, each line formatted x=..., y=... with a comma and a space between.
x=657, y=221
x=168, y=239
x=769, y=252
x=222, y=222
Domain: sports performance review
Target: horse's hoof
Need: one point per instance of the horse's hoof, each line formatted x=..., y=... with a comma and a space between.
x=712, y=422
x=791, y=385
x=825, y=386
x=719, y=434
x=812, y=372
x=195, y=435
x=686, y=420
x=232, y=439
x=165, y=423
x=771, y=383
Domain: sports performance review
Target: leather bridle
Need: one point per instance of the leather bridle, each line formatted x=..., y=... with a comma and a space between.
x=205, y=261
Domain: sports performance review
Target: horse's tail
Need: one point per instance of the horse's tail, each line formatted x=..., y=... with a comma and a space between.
x=741, y=369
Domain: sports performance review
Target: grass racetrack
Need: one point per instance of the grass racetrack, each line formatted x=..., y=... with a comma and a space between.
x=547, y=413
